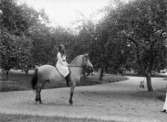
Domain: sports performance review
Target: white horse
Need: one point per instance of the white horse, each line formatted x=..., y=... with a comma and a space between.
x=46, y=73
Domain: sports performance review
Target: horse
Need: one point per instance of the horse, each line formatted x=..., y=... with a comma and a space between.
x=46, y=73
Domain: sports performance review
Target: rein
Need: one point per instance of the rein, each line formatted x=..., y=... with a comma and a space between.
x=74, y=66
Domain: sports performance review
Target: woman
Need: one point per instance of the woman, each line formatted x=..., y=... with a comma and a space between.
x=165, y=105
x=62, y=64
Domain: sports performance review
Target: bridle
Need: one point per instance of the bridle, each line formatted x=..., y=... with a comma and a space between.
x=84, y=66
x=74, y=66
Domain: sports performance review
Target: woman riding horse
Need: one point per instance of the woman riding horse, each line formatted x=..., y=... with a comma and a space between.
x=62, y=65
x=47, y=73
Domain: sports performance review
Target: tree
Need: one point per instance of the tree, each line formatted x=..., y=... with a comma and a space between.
x=100, y=48
x=84, y=38
x=15, y=41
x=142, y=24
x=8, y=52
x=132, y=36
x=108, y=50
x=24, y=55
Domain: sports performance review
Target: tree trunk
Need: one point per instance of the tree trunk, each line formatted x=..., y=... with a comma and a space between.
x=26, y=72
x=149, y=84
x=84, y=76
x=106, y=69
x=101, y=73
x=7, y=74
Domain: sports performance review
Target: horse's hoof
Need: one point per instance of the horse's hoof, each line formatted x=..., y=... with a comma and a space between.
x=164, y=111
x=38, y=102
x=71, y=102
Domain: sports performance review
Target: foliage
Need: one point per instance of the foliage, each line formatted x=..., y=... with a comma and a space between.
x=31, y=40
x=15, y=43
x=24, y=59
x=17, y=19
x=146, y=19
x=15, y=52
x=45, y=43
x=8, y=51
x=82, y=42
x=132, y=37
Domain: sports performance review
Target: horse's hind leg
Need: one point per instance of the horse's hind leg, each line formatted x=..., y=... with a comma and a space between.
x=38, y=95
x=71, y=93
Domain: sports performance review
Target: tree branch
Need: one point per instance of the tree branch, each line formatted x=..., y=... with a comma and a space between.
x=137, y=43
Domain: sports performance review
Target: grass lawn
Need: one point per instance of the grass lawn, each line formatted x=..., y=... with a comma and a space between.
x=26, y=118
x=21, y=81
x=161, y=93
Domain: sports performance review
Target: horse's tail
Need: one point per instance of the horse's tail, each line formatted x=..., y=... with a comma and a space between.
x=34, y=79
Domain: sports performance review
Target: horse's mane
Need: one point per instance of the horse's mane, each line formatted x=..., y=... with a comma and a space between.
x=76, y=61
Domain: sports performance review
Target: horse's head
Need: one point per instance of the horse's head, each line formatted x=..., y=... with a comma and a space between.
x=86, y=64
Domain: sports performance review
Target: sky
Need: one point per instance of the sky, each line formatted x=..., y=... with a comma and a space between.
x=68, y=13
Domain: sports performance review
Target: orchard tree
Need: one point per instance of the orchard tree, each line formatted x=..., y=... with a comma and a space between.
x=8, y=52
x=15, y=22
x=99, y=51
x=24, y=55
x=132, y=36
x=45, y=43
x=109, y=51
x=143, y=24
x=84, y=38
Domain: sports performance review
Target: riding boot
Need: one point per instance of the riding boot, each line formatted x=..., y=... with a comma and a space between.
x=68, y=80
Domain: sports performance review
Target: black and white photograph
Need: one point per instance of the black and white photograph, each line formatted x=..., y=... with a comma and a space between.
x=83, y=60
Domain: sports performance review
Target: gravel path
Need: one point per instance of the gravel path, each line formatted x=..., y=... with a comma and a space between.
x=122, y=101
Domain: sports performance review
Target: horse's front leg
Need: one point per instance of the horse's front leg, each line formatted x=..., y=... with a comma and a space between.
x=72, y=92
